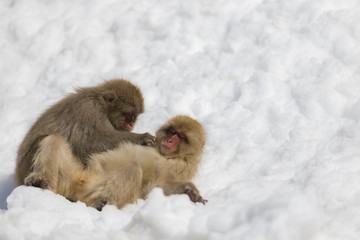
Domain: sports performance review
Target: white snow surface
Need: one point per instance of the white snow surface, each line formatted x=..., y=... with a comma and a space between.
x=276, y=84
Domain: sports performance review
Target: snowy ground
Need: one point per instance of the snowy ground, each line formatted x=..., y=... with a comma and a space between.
x=276, y=84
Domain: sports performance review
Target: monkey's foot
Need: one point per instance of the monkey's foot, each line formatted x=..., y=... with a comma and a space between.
x=99, y=205
x=195, y=197
x=37, y=182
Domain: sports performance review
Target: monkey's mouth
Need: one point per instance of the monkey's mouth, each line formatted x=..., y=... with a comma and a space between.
x=164, y=146
x=165, y=149
x=129, y=126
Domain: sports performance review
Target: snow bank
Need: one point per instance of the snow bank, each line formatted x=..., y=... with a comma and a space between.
x=275, y=84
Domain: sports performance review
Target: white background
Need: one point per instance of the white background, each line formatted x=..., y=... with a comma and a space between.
x=276, y=84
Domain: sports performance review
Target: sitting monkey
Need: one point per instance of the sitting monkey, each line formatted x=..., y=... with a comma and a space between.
x=129, y=172
x=90, y=121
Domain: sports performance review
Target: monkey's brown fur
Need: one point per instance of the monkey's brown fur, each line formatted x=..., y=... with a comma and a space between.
x=125, y=174
x=87, y=122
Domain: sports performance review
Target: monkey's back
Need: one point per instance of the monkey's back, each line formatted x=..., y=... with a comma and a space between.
x=63, y=119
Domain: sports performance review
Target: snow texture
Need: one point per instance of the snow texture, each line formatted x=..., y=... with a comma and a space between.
x=276, y=84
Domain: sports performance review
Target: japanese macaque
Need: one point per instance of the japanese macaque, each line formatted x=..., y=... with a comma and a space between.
x=130, y=172
x=92, y=120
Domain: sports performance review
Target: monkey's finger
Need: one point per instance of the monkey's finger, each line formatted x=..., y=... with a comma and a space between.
x=44, y=185
x=199, y=199
x=151, y=142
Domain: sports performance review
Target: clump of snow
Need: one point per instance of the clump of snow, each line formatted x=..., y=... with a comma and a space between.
x=275, y=84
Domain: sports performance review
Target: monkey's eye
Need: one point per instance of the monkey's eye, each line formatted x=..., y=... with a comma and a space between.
x=171, y=131
x=130, y=117
x=181, y=136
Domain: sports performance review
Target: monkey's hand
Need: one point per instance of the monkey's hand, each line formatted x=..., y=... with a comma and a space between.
x=147, y=139
x=36, y=181
x=100, y=205
x=195, y=197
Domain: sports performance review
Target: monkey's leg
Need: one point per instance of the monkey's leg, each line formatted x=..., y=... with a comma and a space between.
x=118, y=187
x=183, y=187
x=53, y=166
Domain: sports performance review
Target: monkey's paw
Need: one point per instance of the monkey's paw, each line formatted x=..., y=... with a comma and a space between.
x=148, y=140
x=36, y=182
x=99, y=205
x=194, y=197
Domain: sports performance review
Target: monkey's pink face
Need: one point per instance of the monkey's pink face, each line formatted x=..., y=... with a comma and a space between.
x=130, y=121
x=171, y=143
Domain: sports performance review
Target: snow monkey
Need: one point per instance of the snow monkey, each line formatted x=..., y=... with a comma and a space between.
x=91, y=120
x=123, y=175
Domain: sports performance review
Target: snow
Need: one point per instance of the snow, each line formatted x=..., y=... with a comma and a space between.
x=275, y=83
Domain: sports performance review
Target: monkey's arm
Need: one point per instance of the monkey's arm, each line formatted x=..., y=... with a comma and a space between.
x=183, y=187
x=85, y=146
x=138, y=138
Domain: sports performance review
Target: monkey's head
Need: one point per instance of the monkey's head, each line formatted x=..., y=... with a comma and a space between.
x=181, y=136
x=123, y=102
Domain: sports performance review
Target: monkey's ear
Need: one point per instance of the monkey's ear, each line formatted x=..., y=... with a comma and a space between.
x=109, y=96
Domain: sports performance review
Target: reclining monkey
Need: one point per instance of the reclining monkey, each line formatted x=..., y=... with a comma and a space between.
x=123, y=175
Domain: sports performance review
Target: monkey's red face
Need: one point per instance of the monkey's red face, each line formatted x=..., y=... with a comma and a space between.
x=171, y=143
x=130, y=120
